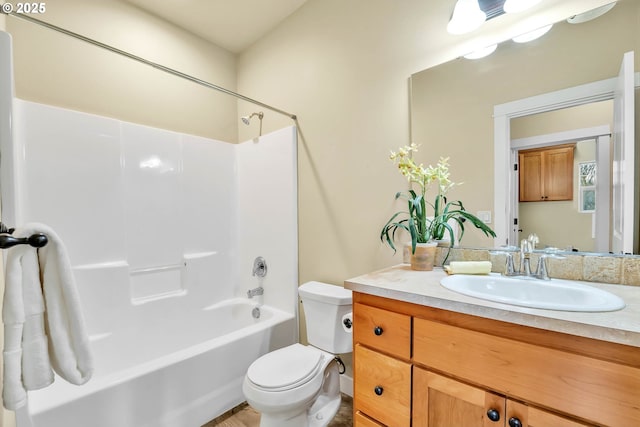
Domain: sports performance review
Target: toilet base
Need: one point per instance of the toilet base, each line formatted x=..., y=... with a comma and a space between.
x=325, y=411
x=319, y=415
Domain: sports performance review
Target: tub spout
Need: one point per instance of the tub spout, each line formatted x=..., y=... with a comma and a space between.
x=256, y=291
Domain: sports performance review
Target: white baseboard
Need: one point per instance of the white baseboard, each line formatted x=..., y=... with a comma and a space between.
x=346, y=385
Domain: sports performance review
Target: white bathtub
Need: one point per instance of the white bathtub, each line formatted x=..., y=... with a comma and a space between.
x=180, y=371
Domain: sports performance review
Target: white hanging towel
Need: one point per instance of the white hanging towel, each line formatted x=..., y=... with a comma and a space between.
x=41, y=334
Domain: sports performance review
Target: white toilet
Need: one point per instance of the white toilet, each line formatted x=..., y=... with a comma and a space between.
x=298, y=385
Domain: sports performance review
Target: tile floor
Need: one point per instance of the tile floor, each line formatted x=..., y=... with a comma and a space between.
x=246, y=416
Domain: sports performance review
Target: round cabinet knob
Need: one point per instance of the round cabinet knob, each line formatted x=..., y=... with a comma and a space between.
x=493, y=415
x=377, y=330
x=378, y=390
x=515, y=422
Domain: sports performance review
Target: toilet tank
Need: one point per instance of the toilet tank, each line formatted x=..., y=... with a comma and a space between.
x=324, y=308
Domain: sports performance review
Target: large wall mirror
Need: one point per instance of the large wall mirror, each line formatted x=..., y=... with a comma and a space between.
x=452, y=115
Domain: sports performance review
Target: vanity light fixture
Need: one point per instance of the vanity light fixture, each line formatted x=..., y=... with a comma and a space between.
x=467, y=16
x=532, y=35
x=515, y=6
x=591, y=14
x=481, y=53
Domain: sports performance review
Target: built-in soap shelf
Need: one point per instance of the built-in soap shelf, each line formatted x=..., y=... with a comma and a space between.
x=102, y=265
x=198, y=255
x=148, y=283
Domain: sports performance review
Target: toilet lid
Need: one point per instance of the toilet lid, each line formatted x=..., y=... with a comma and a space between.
x=285, y=368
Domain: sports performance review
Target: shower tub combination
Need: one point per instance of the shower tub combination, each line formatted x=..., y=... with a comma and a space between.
x=145, y=380
x=170, y=323
x=163, y=286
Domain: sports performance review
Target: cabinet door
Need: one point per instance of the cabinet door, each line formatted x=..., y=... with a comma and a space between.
x=382, y=388
x=530, y=164
x=442, y=402
x=533, y=417
x=546, y=174
x=558, y=174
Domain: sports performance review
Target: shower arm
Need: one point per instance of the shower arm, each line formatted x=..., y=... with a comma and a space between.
x=147, y=62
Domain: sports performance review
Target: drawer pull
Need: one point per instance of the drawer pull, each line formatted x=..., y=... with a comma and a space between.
x=378, y=390
x=493, y=415
x=514, y=422
x=377, y=330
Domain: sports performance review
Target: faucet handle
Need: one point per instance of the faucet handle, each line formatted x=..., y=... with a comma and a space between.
x=509, y=268
x=525, y=268
x=259, y=267
x=542, y=271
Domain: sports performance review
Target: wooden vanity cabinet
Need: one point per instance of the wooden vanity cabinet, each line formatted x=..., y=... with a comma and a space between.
x=546, y=174
x=439, y=368
x=440, y=401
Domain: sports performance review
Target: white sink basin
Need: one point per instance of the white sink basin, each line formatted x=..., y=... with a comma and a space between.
x=554, y=294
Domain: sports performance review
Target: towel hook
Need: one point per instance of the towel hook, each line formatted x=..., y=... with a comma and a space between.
x=37, y=240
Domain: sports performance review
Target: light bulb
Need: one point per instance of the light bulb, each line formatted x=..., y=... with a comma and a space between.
x=467, y=16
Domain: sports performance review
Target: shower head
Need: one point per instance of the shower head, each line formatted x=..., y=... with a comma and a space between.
x=247, y=119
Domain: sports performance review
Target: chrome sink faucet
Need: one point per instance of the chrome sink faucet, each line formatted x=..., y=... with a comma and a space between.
x=527, y=246
x=541, y=271
x=525, y=257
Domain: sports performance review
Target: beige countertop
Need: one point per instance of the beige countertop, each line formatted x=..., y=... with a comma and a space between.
x=423, y=288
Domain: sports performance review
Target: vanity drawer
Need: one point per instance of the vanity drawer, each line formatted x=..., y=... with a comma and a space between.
x=382, y=388
x=360, y=420
x=600, y=391
x=383, y=330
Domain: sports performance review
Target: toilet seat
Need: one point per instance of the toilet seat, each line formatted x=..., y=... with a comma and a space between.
x=286, y=368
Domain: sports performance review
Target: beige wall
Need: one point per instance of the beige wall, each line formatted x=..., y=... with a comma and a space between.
x=56, y=69
x=342, y=67
x=453, y=103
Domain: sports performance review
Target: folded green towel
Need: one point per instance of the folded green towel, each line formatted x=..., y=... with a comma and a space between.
x=468, y=267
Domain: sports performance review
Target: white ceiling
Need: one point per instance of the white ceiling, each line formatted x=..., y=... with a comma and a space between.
x=231, y=24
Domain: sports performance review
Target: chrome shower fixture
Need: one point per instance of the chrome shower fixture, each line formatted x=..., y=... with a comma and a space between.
x=247, y=119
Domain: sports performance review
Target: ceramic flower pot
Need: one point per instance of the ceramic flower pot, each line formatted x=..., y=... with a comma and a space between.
x=424, y=256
